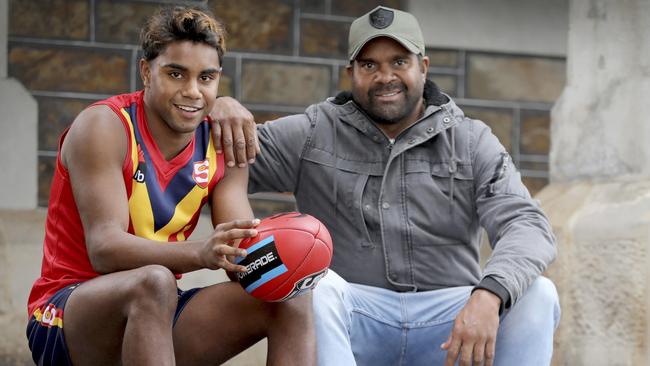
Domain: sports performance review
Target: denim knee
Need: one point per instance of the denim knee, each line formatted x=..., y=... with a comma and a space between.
x=331, y=285
x=543, y=300
x=330, y=293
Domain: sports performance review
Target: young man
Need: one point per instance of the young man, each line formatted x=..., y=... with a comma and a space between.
x=132, y=174
x=404, y=182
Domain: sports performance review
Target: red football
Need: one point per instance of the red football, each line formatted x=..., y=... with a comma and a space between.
x=290, y=253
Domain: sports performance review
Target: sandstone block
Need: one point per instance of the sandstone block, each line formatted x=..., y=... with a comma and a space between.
x=58, y=19
x=46, y=165
x=121, y=21
x=442, y=58
x=447, y=83
x=322, y=38
x=257, y=26
x=72, y=69
x=285, y=84
x=517, y=78
x=54, y=115
x=535, y=132
x=499, y=120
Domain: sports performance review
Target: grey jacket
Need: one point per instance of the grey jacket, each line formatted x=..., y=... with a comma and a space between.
x=406, y=215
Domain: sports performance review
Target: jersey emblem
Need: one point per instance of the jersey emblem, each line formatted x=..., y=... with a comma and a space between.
x=201, y=173
x=138, y=176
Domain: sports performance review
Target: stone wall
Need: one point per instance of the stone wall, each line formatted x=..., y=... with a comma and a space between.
x=282, y=55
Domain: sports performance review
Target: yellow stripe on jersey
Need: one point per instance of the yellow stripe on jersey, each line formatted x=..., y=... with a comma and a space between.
x=142, y=213
x=134, y=145
x=139, y=205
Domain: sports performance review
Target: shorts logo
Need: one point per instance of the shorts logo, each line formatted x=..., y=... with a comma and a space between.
x=49, y=315
x=201, y=173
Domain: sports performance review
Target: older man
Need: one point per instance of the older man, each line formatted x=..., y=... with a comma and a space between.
x=405, y=181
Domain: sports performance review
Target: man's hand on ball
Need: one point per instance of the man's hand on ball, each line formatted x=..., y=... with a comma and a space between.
x=220, y=250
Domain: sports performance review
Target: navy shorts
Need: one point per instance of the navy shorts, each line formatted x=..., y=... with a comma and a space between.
x=45, y=329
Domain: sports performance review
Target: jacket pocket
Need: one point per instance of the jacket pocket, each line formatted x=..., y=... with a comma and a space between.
x=463, y=180
x=347, y=181
x=441, y=203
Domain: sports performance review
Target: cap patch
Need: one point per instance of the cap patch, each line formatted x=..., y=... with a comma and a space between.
x=381, y=18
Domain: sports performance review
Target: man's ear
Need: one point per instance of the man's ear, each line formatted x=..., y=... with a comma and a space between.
x=424, y=65
x=145, y=72
x=348, y=69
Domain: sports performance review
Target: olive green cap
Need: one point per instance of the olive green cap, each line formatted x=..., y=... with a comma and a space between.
x=385, y=22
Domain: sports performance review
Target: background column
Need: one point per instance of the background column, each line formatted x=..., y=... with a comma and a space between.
x=599, y=196
x=18, y=131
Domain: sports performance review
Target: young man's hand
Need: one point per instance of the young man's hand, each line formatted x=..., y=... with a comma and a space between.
x=473, y=338
x=233, y=131
x=221, y=248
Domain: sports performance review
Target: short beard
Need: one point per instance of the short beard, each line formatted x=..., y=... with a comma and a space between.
x=388, y=114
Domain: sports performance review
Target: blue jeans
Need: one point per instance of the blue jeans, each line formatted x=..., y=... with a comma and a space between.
x=364, y=325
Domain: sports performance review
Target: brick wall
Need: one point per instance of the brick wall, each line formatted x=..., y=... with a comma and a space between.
x=282, y=55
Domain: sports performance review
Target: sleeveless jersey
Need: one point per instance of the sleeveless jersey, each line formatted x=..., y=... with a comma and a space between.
x=165, y=199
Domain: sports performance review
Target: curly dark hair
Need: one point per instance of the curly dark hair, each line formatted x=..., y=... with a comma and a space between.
x=180, y=23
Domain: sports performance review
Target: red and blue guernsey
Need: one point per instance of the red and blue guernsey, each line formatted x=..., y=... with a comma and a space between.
x=165, y=200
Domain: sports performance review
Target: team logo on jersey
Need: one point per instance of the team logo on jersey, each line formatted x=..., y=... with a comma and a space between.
x=138, y=176
x=201, y=173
